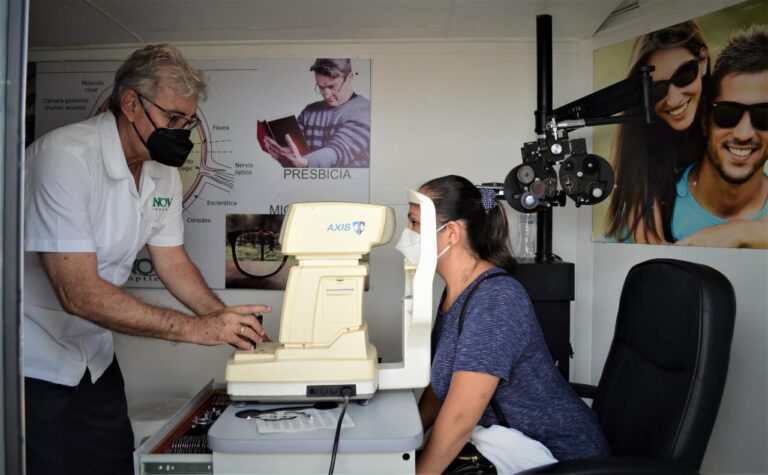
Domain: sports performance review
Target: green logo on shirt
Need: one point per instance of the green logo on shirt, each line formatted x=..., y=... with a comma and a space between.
x=161, y=202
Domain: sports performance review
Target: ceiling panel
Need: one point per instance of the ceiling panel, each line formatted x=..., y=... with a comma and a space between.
x=65, y=23
x=498, y=19
x=54, y=23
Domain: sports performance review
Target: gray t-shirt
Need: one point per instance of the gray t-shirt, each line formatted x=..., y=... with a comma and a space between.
x=502, y=337
x=339, y=137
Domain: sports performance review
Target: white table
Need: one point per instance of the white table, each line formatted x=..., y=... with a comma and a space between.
x=386, y=435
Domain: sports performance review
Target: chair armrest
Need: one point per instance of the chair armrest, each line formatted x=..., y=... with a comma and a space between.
x=585, y=390
x=615, y=466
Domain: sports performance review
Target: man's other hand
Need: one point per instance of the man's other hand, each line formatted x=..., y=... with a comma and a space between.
x=733, y=233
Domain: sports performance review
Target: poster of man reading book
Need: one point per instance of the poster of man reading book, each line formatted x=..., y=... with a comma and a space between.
x=331, y=133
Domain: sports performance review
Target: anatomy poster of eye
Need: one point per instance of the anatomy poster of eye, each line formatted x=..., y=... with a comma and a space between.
x=695, y=176
x=272, y=132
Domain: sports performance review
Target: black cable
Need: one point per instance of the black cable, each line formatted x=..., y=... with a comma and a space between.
x=336, y=437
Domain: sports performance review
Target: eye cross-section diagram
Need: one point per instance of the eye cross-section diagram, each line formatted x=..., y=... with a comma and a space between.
x=200, y=170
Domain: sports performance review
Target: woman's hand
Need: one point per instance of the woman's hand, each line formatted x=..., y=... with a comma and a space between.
x=468, y=396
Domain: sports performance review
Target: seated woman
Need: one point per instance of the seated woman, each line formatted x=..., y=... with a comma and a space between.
x=498, y=353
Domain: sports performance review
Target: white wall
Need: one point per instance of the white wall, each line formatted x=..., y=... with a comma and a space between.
x=466, y=108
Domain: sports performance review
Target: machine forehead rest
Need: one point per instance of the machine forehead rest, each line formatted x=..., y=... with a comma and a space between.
x=335, y=228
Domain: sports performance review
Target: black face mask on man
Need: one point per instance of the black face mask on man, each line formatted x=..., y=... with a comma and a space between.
x=170, y=147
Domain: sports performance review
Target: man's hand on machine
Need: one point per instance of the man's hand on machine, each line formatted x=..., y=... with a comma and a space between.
x=237, y=326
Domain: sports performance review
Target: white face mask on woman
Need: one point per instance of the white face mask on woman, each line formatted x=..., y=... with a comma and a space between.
x=409, y=245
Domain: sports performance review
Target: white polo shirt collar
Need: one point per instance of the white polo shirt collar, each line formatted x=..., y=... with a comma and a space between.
x=115, y=163
x=112, y=149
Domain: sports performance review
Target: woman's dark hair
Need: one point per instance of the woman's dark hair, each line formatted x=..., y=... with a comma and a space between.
x=457, y=199
x=648, y=157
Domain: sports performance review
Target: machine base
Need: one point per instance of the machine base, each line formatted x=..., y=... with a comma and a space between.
x=274, y=373
x=304, y=391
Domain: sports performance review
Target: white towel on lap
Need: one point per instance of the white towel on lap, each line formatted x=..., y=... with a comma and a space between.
x=509, y=449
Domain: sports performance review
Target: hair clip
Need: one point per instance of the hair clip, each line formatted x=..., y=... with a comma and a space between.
x=488, y=198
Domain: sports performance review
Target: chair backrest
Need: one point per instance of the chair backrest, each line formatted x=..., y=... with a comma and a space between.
x=663, y=378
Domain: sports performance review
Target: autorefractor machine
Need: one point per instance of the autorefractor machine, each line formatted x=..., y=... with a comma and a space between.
x=323, y=351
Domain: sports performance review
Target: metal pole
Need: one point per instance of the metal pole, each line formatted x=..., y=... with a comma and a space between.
x=14, y=15
x=543, y=109
x=543, y=72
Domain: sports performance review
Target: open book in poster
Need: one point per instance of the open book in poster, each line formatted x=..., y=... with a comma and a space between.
x=278, y=129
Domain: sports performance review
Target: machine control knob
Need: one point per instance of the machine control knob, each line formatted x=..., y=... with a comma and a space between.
x=529, y=201
x=525, y=174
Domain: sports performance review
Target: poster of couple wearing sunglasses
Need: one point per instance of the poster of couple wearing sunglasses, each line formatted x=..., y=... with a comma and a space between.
x=697, y=175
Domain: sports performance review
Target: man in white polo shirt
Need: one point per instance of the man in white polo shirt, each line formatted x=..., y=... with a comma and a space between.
x=96, y=193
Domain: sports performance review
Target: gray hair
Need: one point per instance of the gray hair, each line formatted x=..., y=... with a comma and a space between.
x=153, y=66
x=332, y=67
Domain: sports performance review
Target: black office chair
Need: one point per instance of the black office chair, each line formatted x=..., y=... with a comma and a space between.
x=664, y=375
